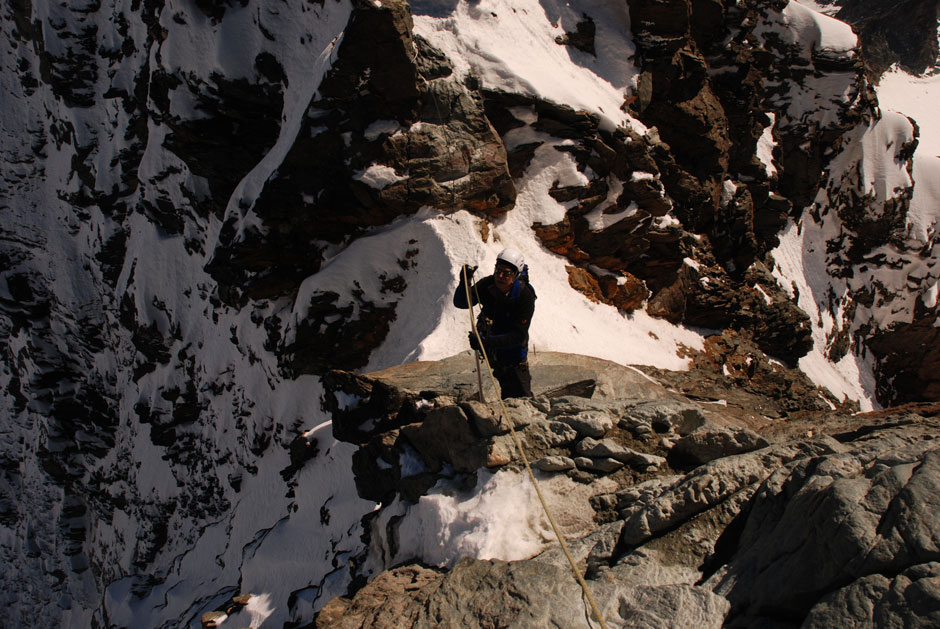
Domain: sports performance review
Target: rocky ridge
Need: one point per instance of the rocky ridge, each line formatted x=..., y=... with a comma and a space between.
x=159, y=222
x=813, y=520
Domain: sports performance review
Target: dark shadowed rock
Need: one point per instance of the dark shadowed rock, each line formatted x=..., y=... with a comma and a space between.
x=911, y=599
x=895, y=32
x=445, y=437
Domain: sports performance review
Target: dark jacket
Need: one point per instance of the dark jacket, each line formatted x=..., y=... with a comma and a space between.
x=504, y=321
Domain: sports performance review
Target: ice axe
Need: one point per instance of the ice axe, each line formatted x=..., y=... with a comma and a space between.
x=473, y=328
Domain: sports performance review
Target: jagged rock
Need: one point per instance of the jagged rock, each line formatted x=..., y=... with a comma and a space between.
x=523, y=412
x=731, y=371
x=626, y=296
x=582, y=38
x=909, y=352
x=710, y=297
x=501, y=452
x=596, y=547
x=390, y=104
x=301, y=449
x=900, y=32
x=213, y=618
x=709, y=442
x=423, y=408
x=376, y=466
x=733, y=540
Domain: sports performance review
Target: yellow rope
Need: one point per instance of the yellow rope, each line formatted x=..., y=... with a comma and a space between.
x=594, y=612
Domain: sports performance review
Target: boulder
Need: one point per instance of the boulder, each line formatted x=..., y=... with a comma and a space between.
x=672, y=605
x=445, y=437
x=532, y=594
x=589, y=423
x=502, y=451
x=679, y=416
x=709, y=442
x=554, y=464
x=485, y=420
x=549, y=434
x=384, y=602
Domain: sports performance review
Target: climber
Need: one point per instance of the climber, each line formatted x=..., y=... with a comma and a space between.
x=508, y=303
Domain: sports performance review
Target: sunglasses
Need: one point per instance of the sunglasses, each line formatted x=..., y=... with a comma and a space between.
x=504, y=271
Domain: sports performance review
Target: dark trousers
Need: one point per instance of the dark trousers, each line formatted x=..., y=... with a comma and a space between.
x=514, y=380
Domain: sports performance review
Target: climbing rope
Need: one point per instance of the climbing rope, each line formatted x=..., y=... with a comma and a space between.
x=594, y=611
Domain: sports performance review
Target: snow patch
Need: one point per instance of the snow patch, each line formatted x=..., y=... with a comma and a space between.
x=501, y=519
x=378, y=176
x=510, y=45
x=765, y=147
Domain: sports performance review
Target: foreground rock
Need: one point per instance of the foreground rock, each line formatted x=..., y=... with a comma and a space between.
x=820, y=521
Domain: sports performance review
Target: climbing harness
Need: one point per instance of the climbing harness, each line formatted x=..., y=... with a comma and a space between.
x=594, y=611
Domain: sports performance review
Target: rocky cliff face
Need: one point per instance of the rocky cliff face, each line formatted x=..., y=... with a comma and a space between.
x=188, y=189
x=677, y=512
x=902, y=34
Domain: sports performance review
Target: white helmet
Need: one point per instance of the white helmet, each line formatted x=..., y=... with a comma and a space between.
x=511, y=257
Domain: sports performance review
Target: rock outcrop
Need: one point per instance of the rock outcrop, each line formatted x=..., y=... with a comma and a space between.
x=389, y=130
x=901, y=33
x=825, y=520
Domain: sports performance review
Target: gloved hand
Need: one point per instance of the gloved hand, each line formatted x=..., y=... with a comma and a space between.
x=473, y=341
x=468, y=271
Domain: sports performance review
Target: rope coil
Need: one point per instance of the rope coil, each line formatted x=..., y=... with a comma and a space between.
x=594, y=610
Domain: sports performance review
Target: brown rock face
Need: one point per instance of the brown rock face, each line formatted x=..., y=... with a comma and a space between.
x=627, y=295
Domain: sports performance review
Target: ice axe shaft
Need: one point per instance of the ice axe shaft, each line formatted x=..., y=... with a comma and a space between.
x=476, y=333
